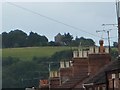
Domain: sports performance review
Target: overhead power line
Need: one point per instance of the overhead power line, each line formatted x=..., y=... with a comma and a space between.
x=52, y=19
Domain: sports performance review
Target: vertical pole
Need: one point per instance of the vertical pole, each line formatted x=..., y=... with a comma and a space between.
x=60, y=82
x=119, y=36
x=109, y=41
x=118, y=18
x=113, y=83
x=107, y=82
x=49, y=75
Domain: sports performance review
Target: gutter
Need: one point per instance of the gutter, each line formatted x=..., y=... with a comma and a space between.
x=89, y=84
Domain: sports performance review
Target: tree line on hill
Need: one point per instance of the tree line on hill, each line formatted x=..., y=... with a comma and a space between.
x=18, y=38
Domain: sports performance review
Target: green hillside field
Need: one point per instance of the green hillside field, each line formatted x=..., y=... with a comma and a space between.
x=29, y=52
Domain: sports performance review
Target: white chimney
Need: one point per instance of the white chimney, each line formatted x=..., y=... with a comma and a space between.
x=62, y=65
x=107, y=49
x=85, y=53
x=56, y=74
x=96, y=49
x=80, y=54
x=67, y=64
x=51, y=73
x=91, y=50
x=75, y=54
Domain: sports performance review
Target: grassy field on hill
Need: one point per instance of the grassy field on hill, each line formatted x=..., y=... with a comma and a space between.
x=29, y=52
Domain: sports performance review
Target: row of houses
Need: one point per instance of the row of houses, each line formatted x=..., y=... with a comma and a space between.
x=89, y=69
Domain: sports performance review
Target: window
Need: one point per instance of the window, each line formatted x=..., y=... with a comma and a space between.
x=113, y=76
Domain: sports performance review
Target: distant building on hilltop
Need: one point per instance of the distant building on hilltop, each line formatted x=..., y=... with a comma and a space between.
x=58, y=38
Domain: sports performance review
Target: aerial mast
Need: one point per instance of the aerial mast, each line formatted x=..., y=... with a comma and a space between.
x=108, y=33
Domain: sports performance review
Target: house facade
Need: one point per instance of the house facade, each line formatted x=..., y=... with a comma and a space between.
x=113, y=79
x=108, y=78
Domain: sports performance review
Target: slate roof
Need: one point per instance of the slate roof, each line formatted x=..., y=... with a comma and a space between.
x=99, y=78
x=74, y=81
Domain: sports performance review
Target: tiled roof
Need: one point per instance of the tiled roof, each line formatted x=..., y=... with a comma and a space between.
x=99, y=77
x=74, y=81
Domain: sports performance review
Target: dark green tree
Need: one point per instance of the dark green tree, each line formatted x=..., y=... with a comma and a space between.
x=67, y=39
x=36, y=40
x=5, y=40
x=84, y=42
x=17, y=38
x=19, y=74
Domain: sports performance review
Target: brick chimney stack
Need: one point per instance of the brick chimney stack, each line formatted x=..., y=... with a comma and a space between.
x=97, y=60
x=101, y=49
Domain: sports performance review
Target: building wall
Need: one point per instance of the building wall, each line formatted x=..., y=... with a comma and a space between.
x=80, y=66
x=58, y=38
x=96, y=87
x=114, y=80
x=65, y=74
x=54, y=82
x=97, y=61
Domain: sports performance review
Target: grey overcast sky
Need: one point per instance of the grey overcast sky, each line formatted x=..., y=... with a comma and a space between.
x=87, y=17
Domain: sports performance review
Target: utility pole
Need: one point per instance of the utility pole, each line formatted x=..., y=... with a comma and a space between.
x=119, y=36
x=108, y=32
x=118, y=19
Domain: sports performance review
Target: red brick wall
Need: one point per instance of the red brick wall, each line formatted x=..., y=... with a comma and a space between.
x=97, y=61
x=66, y=73
x=54, y=82
x=80, y=66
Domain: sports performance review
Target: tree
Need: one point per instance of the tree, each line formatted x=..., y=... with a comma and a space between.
x=20, y=74
x=33, y=39
x=5, y=40
x=17, y=38
x=51, y=43
x=43, y=40
x=84, y=42
x=36, y=40
x=67, y=39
